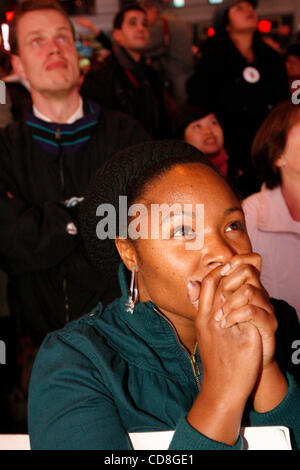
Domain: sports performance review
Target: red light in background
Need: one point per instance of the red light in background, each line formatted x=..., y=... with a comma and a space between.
x=210, y=31
x=264, y=26
x=9, y=15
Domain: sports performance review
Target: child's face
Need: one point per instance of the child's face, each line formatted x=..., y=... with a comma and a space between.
x=206, y=135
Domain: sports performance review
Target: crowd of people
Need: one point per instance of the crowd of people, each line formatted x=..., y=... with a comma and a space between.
x=144, y=334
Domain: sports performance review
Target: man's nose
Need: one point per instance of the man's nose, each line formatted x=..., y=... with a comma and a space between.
x=141, y=27
x=53, y=46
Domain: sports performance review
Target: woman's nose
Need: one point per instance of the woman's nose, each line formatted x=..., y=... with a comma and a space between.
x=217, y=252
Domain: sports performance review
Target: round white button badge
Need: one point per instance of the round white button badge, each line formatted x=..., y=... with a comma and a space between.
x=251, y=75
x=71, y=228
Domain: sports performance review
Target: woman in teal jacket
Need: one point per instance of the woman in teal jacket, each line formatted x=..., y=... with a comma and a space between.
x=191, y=344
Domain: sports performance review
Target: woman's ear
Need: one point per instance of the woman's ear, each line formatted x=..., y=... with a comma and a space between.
x=127, y=253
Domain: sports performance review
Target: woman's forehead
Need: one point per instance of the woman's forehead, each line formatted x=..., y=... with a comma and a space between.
x=188, y=182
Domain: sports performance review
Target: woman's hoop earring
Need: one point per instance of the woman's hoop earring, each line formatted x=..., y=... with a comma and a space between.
x=133, y=296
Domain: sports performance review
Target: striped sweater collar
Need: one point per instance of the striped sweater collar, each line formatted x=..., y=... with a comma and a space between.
x=57, y=138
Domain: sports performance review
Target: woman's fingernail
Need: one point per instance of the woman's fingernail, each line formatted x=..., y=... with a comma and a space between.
x=223, y=323
x=219, y=315
x=225, y=269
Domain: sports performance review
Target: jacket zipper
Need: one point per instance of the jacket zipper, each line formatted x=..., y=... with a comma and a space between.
x=191, y=357
x=62, y=185
x=60, y=161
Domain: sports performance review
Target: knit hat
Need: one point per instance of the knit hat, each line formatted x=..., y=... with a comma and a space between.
x=125, y=174
x=220, y=20
x=188, y=113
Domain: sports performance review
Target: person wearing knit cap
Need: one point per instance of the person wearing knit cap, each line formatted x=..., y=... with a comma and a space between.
x=199, y=126
x=242, y=78
x=221, y=16
x=190, y=346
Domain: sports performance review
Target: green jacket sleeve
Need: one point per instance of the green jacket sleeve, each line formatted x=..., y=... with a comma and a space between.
x=287, y=413
x=72, y=407
x=69, y=406
x=188, y=438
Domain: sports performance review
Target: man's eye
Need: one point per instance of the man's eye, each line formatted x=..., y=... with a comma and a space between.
x=63, y=38
x=184, y=231
x=236, y=225
x=36, y=41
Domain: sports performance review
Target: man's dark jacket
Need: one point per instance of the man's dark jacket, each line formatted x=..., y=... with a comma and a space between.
x=41, y=166
x=132, y=87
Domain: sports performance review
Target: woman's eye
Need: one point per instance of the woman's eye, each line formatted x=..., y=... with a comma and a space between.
x=184, y=231
x=236, y=225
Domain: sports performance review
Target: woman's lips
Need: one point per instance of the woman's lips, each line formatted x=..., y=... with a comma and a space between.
x=58, y=64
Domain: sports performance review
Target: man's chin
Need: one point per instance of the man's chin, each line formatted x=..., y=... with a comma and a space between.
x=57, y=88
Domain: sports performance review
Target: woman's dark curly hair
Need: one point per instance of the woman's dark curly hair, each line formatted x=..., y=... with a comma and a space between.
x=128, y=173
x=270, y=142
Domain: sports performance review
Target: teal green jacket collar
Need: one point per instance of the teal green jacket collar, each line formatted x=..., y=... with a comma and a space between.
x=146, y=320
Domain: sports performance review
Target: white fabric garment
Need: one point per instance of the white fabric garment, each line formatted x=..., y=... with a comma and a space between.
x=77, y=115
x=276, y=237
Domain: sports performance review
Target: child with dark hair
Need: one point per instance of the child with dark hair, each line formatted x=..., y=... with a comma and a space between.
x=200, y=127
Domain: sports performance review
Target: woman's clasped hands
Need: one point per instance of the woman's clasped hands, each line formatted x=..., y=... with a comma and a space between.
x=236, y=328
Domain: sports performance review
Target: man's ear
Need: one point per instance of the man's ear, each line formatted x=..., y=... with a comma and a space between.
x=17, y=66
x=127, y=253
